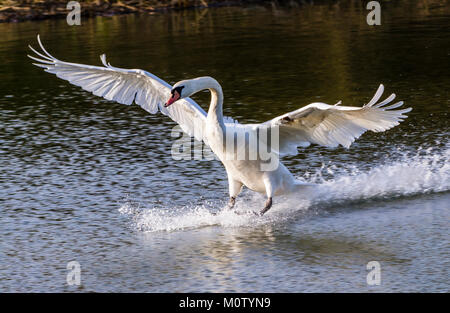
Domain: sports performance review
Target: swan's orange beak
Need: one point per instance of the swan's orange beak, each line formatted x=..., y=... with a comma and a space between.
x=175, y=96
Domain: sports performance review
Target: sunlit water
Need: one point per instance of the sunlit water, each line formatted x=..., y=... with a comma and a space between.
x=83, y=179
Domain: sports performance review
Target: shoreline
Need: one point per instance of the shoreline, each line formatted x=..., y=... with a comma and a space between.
x=21, y=11
x=14, y=11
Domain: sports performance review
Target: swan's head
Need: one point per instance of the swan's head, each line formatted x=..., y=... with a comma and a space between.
x=180, y=90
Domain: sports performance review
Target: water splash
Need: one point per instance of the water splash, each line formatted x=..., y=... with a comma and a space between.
x=187, y=217
x=407, y=173
x=421, y=172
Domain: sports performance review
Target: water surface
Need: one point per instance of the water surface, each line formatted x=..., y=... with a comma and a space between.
x=93, y=181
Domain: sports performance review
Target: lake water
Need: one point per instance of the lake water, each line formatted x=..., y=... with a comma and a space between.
x=87, y=180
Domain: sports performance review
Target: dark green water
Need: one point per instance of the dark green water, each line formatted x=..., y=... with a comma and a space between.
x=83, y=179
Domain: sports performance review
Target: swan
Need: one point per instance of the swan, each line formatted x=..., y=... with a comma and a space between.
x=316, y=123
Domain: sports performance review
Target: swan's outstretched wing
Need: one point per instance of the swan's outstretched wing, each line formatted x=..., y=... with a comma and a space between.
x=333, y=125
x=126, y=86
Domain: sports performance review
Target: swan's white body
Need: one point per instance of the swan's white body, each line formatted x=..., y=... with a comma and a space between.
x=241, y=172
x=319, y=123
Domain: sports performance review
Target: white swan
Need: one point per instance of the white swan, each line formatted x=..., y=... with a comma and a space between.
x=318, y=123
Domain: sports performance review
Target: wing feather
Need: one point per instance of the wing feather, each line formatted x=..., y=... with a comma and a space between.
x=333, y=125
x=125, y=86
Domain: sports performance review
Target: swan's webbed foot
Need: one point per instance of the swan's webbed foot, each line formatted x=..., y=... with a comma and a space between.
x=231, y=203
x=267, y=207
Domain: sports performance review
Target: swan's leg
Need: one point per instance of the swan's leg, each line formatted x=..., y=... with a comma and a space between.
x=231, y=202
x=269, y=192
x=235, y=188
x=267, y=207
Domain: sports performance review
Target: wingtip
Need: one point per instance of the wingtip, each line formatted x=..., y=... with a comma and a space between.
x=103, y=58
x=43, y=49
x=408, y=110
x=39, y=40
x=376, y=96
x=31, y=48
x=46, y=67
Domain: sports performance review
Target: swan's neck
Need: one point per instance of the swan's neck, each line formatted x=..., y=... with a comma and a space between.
x=215, y=112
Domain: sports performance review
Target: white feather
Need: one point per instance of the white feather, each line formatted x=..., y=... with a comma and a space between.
x=333, y=125
x=125, y=86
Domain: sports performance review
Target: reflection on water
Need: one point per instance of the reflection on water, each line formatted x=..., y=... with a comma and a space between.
x=89, y=180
